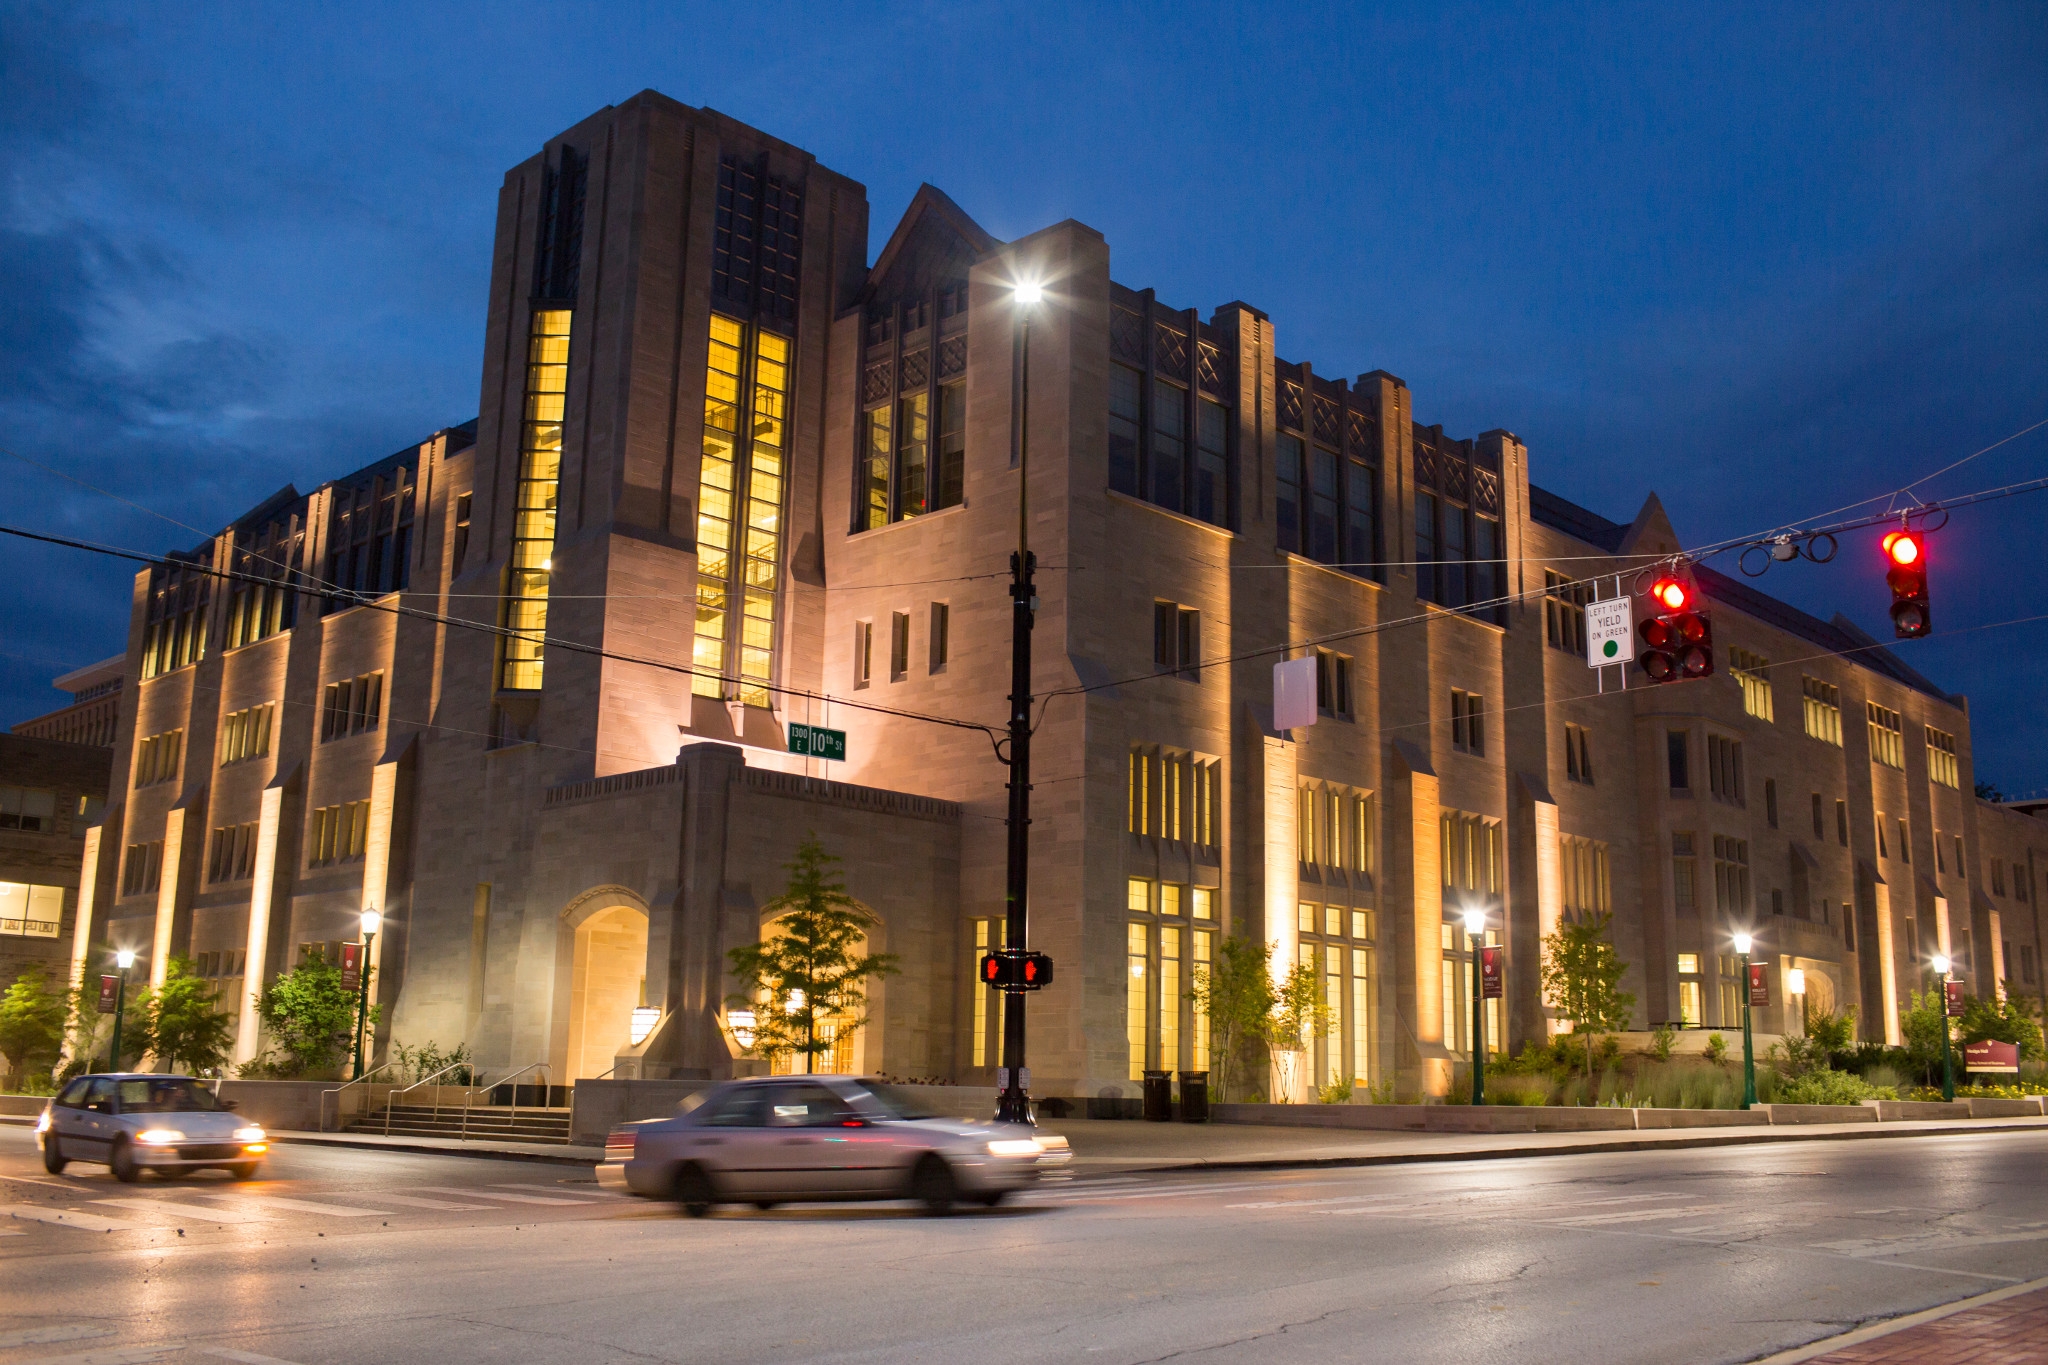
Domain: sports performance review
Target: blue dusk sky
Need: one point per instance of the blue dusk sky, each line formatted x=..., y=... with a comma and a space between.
x=1767, y=260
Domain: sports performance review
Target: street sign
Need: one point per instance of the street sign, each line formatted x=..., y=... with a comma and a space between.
x=1759, y=986
x=816, y=741
x=1610, y=632
x=1490, y=963
x=351, y=966
x=1991, y=1056
x=109, y=991
x=1953, y=990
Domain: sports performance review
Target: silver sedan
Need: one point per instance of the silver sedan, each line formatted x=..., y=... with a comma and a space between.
x=792, y=1139
x=137, y=1121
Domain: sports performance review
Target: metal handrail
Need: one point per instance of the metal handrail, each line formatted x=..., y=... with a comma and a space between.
x=508, y=1080
x=396, y=1095
x=346, y=1085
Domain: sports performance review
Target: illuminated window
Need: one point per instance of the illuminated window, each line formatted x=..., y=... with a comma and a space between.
x=1564, y=612
x=535, y=498
x=1137, y=948
x=1471, y=853
x=339, y=834
x=174, y=623
x=987, y=1004
x=1204, y=947
x=275, y=554
x=1887, y=737
x=1168, y=1001
x=1941, y=757
x=156, y=758
x=369, y=537
x=1821, y=710
x=739, y=512
x=1752, y=671
x=29, y=911
x=245, y=734
x=1584, y=865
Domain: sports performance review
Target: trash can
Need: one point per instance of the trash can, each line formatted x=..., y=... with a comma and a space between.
x=1159, y=1097
x=1194, y=1097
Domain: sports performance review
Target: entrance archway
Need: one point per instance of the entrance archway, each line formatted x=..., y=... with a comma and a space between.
x=607, y=980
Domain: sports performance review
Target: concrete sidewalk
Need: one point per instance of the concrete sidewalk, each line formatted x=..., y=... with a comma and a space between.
x=2000, y=1327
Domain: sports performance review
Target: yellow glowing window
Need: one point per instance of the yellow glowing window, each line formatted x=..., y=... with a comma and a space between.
x=534, y=498
x=739, y=511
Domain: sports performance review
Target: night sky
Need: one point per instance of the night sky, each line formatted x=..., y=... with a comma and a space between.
x=1768, y=261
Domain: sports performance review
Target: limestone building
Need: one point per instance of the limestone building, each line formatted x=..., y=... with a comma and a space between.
x=740, y=478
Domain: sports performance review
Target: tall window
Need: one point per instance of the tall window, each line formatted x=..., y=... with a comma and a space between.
x=863, y=651
x=232, y=854
x=1724, y=769
x=1336, y=940
x=1175, y=795
x=987, y=1028
x=1685, y=893
x=339, y=834
x=1752, y=671
x=1941, y=757
x=1170, y=386
x=245, y=734
x=1564, y=613
x=1211, y=500
x=1689, y=990
x=1333, y=684
x=1177, y=639
x=351, y=706
x=142, y=868
x=1578, y=754
x=1820, y=829
x=1585, y=868
x=1887, y=735
x=941, y=636
x=1126, y=426
x=369, y=534
x=275, y=554
x=1458, y=536
x=739, y=511
x=174, y=627
x=1731, y=875
x=1472, y=855
x=535, y=498
x=1137, y=955
x=1328, y=480
x=156, y=758
x=1169, y=443
x=1675, y=760
x=1821, y=707
x=1458, y=947
x=1335, y=827
x=1468, y=722
x=908, y=469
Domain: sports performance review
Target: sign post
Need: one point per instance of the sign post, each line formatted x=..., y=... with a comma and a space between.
x=815, y=741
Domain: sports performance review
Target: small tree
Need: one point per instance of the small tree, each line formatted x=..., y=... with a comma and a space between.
x=1921, y=1024
x=32, y=1015
x=181, y=1020
x=2007, y=1020
x=1581, y=978
x=1300, y=1013
x=1235, y=994
x=807, y=971
x=311, y=1019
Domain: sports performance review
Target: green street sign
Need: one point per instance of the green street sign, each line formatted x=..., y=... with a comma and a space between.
x=815, y=741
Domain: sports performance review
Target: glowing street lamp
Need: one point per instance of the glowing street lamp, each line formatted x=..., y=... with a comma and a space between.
x=1742, y=946
x=371, y=922
x=1948, y=1068
x=1475, y=929
x=123, y=960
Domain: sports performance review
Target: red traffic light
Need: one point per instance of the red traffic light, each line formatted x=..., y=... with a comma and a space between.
x=1906, y=552
x=992, y=970
x=1016, y=971
x=1903, y=547
x=1676, y=639
x=1670, y=594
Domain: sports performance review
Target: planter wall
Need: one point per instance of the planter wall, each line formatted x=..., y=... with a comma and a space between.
x=18, y=1105
x=1818, y=1113
x=1465, y=1118
x=2028, y=1106
x=1892, y=1111
x=293, y=1105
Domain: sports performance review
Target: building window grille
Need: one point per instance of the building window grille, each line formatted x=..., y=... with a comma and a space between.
x=156, y=758
x=535, y=496
x=1887, y=735
x=231, y=855
x=339, y=834
x=1941, y=757
x=757, y=239
x=1821, y=707
x=1752, y=672
x=1458, y=536
x=1564, y=613
x=1177, y=640
x=1176, y=795
x=1724, y=769
x=1684, y=874
x=276, y=555
x=739, y=511
x=1468, y=722
x=351, y=707
x=1472, y=854
x=1584, y=865
x=245, y=734
x=142, y=868
x=1731, y=875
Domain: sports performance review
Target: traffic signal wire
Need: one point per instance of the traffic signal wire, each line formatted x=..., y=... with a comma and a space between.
x=378, y=603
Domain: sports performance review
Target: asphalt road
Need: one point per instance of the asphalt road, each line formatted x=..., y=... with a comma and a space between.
x=1718, y=1254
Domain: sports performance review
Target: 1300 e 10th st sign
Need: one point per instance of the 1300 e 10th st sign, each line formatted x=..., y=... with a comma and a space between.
x=815, y=741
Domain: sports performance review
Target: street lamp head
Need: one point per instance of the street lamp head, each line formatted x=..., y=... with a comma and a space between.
x=1029, y=293
x=124, y=959
x=372, y=921
x=1941, y=963
x=1742, y=943
x=1475, y=922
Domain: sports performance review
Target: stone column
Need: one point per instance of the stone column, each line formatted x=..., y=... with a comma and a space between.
x=1415, y=873
x=1888, y=963
x=88, y=884
x=178, y=833
x=1283, y=871
x=262, y=894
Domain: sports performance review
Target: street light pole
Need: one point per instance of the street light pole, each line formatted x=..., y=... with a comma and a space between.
x=371, y=921
x=1475, y=930
x=123, y=960
x=1742, y=945
x=1948, y=1068
x=1013, y=1104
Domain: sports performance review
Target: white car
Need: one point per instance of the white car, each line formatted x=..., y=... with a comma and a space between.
x=792, y=1139
x=137, y=1121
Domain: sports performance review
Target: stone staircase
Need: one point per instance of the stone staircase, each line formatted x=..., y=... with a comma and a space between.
x=486, y=1122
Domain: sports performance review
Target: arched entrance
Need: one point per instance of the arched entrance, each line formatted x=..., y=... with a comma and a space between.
x=607, y=980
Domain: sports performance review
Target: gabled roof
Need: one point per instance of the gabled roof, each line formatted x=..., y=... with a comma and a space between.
x=930, y=203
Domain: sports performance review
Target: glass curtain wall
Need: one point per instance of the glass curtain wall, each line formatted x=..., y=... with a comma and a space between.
x=535, y=499
x=739, y=511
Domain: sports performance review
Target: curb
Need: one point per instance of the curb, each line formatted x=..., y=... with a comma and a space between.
x=1877, y=1330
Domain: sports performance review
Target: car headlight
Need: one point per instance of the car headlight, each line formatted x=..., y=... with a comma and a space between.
x=43, y=1122
x=158, y=1137
x=249, y=1134
x=1014, y=1147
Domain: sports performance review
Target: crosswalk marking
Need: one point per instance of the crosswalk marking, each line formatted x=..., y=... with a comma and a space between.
x=258, y=1202
x=45, y=1336
x=1636, y=1215
x=197, y=1212
x=509, y=1198
x=413, y=1201
x=244, y=1357
x=118, y=1355
x=556, y=1189
x=68, y=1218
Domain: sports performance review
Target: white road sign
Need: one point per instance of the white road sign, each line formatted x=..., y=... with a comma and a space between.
x=1610, y=632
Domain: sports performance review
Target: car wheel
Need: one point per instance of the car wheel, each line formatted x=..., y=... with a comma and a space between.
x=694, y=1192
x=764, y=1204
x=993, y=1198
x=243, y=1170
x=126, y=1169
x=932, y=1185
x=54, y=1160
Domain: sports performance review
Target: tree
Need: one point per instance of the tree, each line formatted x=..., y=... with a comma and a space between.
x=1581, y=978
x=1921, y=1024
x=32, y=1016
x=2007, y=1020
x=1235, y=994
x=181, y=1020
x=311, y=1019
x=807, y=972
x=1987, y=792
x=1300, y=1013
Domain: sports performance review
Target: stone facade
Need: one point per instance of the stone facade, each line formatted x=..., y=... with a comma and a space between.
x=788, y=489
x=50, y=794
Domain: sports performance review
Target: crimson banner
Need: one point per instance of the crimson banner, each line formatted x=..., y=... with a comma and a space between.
x=1953, y=990
x=110, y=987
x=1490, y=964
x=351, y=966
x=1759, y=985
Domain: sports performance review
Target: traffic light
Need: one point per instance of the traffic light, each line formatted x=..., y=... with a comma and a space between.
x=1016, y=971
x=1906, y=553
x=1677, y=637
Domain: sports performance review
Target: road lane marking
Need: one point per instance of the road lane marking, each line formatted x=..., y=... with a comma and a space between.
x=44, y=1336
x=256, y=1203
x=509, y=1198
x=245, y=1357
x=118, y=1355
x=552, y=1189
x=413, y=1201
x=196, y=1212
x=1635, y=1216
x=68, y=1218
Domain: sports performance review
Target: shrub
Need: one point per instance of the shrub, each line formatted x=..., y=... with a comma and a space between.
x=1339, y=1093
x=32, y=1015
x=1661, y=1040
x=311, y=1019
x=1884, y=1076
x=418, y=1063
x=1827, y=1086
x=1717, y=1047
x=1517, y=1089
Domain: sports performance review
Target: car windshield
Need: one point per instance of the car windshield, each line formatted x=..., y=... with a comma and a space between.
x=172, y=1095
x=899, y=1101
